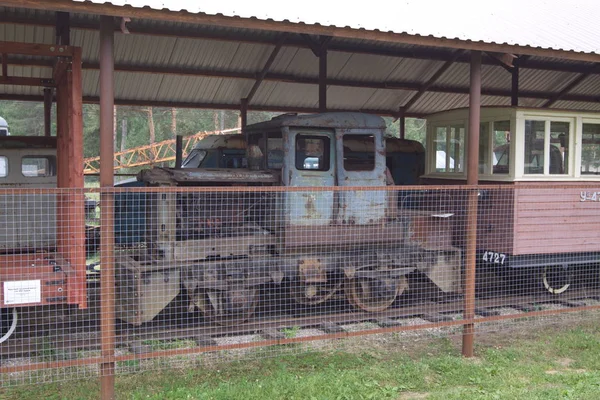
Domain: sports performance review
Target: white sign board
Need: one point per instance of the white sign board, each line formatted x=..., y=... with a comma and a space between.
x=22, y=292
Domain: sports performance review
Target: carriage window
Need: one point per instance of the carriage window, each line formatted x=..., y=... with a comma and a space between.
x=590, y=150
x=484, y=144
x=359, y=152
x=38, y=166
x=3, y=167
x=449, y=145
x=501, y=140
x=534, y=147
x=559, y=148
x=552, y=149
x=312, y=153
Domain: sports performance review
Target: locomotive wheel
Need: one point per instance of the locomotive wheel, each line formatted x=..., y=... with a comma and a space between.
x=556, y=279
x=227, y=307
x=374, y=294
x=8, y=323
x=311, y=294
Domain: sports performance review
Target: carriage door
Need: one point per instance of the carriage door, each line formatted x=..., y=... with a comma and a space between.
x=310, y=162
x=361, y=162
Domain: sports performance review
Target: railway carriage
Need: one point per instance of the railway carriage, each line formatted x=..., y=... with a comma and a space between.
x=542, y=215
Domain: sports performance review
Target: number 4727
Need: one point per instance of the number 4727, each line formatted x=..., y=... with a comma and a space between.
x=492, y=257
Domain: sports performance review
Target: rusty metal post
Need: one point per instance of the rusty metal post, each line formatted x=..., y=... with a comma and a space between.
x=244, y=113
x=47, y=112
x=472, y=179
x=178, y=151
x=402, y=127
x=323, y=80
x=107, y=275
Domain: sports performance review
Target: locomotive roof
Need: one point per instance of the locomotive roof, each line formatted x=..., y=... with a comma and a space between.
x=229, y=141
x=347, y=120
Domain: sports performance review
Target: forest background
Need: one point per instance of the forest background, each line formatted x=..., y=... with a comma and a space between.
x=138, y=126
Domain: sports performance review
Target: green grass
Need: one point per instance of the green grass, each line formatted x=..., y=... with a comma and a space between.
x=557, y=364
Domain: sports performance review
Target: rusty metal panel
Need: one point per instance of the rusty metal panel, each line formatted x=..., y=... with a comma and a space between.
x=361, y=207
x=308, y=208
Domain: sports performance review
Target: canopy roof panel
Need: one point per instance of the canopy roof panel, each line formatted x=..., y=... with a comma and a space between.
x=171, y=61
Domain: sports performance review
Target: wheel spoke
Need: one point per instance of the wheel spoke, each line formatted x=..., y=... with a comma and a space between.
x=372, y=294
x=226, y=307
x=314, y=293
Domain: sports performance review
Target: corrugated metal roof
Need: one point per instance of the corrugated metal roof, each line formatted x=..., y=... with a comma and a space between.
x=158, y=60
x=551, y=24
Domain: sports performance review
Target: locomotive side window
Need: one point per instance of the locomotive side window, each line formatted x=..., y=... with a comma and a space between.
x=33, y=166
x=590, y=149
x=359, y=159
x=3, y=166
x=312, y=153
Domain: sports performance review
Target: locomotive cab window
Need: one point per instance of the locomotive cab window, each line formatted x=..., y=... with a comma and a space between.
x=359, y=152
x=312, y=152
x=3, y=166
x=35, y=166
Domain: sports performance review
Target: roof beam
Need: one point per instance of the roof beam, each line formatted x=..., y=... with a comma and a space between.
x=210, y=106
x=196, y=32
x=569, y=87
x=267, y=66
x=278, y=77
x=431, y=81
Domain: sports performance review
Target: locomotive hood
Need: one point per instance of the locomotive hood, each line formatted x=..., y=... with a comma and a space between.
x=198, y=176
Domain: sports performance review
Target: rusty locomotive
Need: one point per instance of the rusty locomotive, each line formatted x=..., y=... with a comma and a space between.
x=336, y=226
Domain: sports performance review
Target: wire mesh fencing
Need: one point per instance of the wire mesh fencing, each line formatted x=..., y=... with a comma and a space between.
x=153, y=277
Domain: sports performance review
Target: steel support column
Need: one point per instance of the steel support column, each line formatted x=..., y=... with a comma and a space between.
x=47, y=112
x=514, y=92
x=323, y=80
x=244, y=113
x=472, y=179
x=402, y=127
x=107, y=275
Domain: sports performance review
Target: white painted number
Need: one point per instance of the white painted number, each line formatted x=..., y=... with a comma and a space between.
x=494, y=258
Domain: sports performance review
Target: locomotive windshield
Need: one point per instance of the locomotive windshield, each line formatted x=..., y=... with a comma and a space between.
x=312, y=152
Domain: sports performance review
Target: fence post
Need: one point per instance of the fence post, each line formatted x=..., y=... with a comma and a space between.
x=472, y=178
x=107, y=273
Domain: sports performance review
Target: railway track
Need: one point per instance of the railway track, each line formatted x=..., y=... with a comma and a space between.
x=271, y=326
